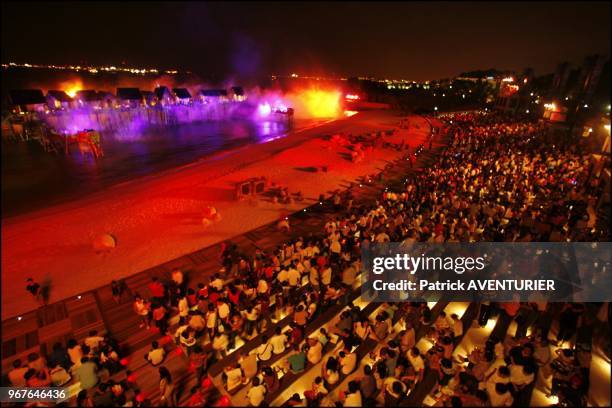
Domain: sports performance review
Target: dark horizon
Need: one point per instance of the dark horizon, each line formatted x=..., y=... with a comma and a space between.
x=415, y=41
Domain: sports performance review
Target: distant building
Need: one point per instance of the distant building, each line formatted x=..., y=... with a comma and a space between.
x=130, y=97
x=164, y=96
x=237, y=94
x=89, y=98
x=149, y=98
x=182, y=95
x=59, y=100
x=509, y=99
x=212, y=95
x=107, y=99
x=28, y=100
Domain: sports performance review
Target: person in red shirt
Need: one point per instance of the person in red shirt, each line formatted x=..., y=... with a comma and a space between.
x=269, y=272
x=158, y=291
x=159, y=316
x=213, y=296
x=297, y=334
x=233, y=294
x=202, y=290
x=192, y=297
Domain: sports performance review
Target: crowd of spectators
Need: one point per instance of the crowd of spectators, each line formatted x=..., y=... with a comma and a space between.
x=498, y=180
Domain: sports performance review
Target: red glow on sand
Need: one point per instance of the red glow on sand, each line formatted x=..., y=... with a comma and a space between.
x=124, y=362
x=131, y=378
x=140, y=397
x=178, y=351
x=224, y=401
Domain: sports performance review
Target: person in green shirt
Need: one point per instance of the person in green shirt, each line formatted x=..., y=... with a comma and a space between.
x=297, y=361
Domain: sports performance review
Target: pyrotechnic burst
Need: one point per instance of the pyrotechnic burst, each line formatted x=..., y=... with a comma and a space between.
x=71, y=87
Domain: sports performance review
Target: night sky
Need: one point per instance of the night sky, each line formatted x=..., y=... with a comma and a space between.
x=394, y=40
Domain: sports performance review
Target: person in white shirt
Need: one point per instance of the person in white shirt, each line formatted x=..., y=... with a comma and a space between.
x=223, y=309
x=234, y=377
x=293, y=276
x=264, y=350
x=326, y=275
x=348, y=361
x=256, y=393
x=217, y=283
x=315, y=352
x=313, y=277
x=183, y=307
x=521, y=376
x=156, y=355
x=93, y=341
x=219, y=344
x=414, y=356
x=282, y=276
x=278, y=341
x=262, y=286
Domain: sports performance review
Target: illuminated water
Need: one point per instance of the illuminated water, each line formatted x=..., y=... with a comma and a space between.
x=33, y=179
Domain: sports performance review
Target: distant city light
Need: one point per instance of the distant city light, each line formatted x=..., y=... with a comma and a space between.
x=90, y=69
x=527, y=111
x=586, y=106
x=435, y=108
x=508, y=79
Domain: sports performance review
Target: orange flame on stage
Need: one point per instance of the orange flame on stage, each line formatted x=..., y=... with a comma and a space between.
x=319, y=103
x=72, y=87
x=314, y=102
